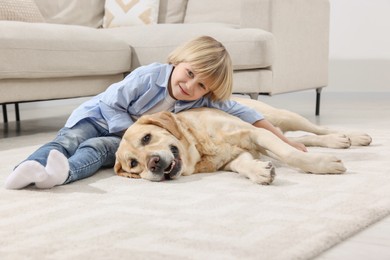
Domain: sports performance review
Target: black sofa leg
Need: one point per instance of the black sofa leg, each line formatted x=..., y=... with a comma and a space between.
x=318, y=100
x=254, y=96
x=5, y=116
x=17, y=113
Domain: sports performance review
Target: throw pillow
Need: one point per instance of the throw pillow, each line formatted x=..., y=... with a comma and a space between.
x=20, y=10
x=119, y=13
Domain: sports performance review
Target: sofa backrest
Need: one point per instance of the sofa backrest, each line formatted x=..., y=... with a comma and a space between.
x=91, y=12
x=172, y=11
x=213, y=11
x=78, y=12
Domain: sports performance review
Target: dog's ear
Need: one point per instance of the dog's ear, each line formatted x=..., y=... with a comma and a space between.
x=164, y=120
x=118, y=167
x=120, y=172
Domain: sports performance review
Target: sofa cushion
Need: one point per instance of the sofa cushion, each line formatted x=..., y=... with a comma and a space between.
x=172, y=11
x=77, y=12
x=39, y=50
x=127, y=13
x=256, y=14
x=249, y=48
x=215, y=11
x=20, y=10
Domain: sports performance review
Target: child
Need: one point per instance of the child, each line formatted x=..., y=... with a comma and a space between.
x=198, y=74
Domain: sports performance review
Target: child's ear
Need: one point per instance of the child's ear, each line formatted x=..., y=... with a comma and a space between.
x=209, y=95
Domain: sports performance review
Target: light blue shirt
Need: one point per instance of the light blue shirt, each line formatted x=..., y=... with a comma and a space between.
x=141, y=90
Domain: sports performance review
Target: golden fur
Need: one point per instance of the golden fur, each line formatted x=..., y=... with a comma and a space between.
x=166, y=145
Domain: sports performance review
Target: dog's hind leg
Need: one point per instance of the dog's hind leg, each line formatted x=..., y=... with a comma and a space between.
x=319, y=135
x=334, y=139
x=289, y=121
x=330, y=140
x=257, y=171
x=323, y=136
x=283, y=119
x=358, y=138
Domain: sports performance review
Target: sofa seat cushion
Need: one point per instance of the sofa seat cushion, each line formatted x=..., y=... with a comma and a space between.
x=153, y=43
x=38, y=50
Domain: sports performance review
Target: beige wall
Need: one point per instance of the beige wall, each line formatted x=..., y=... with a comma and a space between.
x=359, y=45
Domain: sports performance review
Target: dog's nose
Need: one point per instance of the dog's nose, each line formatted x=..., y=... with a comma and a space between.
x=154, y=164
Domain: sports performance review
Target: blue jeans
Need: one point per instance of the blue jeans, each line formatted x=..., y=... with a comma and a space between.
x=87, y=145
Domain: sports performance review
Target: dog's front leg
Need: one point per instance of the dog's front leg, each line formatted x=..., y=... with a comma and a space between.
x=256, y=170
x=308, y=162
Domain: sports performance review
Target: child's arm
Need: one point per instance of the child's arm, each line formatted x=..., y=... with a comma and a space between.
x=115, y=101
x=251, y=116
x=270, y=127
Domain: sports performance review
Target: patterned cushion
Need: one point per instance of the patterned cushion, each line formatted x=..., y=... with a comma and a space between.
x=20, y=10
x=119, y=13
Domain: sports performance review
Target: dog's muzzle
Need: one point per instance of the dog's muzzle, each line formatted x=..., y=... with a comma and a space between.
x=165, y=165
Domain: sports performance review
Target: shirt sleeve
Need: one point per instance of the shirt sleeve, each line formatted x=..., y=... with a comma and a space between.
x=234, y=108
x=115, y=101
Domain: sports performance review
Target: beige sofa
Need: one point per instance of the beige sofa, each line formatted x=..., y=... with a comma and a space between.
x=277, y=46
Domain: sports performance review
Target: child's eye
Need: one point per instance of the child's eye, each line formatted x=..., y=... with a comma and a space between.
x=190, y=74
x=202, y=86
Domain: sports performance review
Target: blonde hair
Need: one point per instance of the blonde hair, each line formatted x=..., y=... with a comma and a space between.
x=209, y=60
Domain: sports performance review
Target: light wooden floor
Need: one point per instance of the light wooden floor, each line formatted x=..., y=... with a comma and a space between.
x=354, y=109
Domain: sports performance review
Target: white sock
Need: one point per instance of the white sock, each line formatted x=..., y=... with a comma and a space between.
x=25, y=174
x=57, y=169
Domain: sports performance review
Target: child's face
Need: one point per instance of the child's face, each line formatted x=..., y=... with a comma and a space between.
x=186, y=85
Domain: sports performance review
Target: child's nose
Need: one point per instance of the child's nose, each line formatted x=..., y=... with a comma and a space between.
x=191, y=84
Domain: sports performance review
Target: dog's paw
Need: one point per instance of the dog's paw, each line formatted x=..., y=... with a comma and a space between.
x=263, y=173
x=325, y=164
x=360, y=139
x=337, y=141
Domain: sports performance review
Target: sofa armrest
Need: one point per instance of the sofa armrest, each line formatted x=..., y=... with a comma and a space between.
x=301, y=31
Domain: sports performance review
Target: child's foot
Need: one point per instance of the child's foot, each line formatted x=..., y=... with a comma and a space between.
x=57, y=169
x=55, y=173
x=25, y=174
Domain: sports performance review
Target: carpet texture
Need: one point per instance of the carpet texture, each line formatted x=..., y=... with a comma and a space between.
x=204, y=216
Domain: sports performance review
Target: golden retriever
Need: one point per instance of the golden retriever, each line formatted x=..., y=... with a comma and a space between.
x=166, y=145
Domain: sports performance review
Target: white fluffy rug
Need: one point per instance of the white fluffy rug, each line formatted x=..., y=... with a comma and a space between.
x=204, y=216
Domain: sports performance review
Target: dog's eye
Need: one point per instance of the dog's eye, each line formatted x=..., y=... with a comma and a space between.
x=133, y=163
x=174, y=149
x=146, y=139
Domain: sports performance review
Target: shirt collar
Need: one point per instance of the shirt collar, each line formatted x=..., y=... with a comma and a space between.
x=164, y=76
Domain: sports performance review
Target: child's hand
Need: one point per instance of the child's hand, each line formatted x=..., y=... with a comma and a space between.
x=298, y=146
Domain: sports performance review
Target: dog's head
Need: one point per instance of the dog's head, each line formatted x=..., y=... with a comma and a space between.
x=152, y=148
